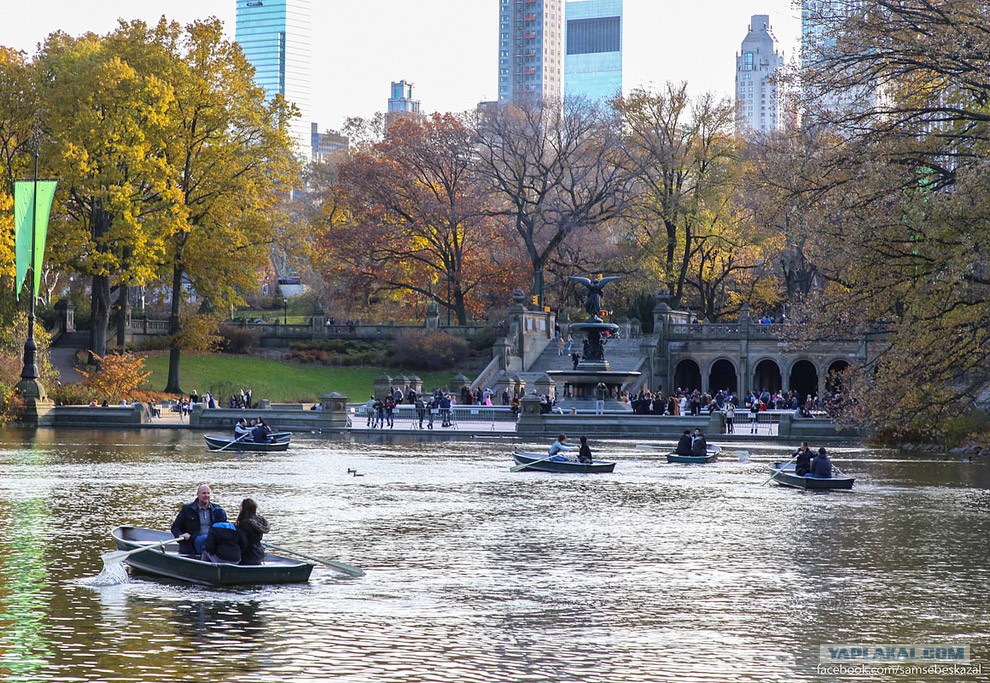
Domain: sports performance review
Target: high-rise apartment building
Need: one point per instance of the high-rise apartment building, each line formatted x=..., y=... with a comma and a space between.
x=821, y=30
x=759, y=106
x=593, y=49
x=401, y=101
x=530, y=50
x=276, y=37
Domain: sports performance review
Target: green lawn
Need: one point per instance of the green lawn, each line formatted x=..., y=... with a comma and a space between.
x=275, y=380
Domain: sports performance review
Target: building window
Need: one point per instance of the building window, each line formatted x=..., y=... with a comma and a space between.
x=589, y=36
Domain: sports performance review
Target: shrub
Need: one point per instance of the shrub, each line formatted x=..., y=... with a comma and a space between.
x=238, y=338
x=428, y=351
x=72, y=394
x=485, y=339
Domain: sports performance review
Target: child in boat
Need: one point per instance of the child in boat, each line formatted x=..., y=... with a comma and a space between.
x=584, y=454
x=222, y=543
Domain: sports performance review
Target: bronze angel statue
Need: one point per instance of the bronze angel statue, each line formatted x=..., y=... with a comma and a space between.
x=593, y=304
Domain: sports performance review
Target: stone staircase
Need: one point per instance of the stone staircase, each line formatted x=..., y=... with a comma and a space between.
x=622, y=354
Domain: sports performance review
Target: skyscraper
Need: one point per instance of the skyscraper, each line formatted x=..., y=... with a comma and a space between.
x=593, y=49
x=530, y=55
x=758, y=102
x=401, y=101
x=275, y=36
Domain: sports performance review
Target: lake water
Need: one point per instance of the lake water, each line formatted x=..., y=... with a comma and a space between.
x=654, y=573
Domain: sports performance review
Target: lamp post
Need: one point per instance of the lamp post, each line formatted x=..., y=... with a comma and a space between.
x=285, y=310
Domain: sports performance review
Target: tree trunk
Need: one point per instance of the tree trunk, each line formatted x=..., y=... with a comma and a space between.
x=174, y=352
x=121, y=308
x=99, y=319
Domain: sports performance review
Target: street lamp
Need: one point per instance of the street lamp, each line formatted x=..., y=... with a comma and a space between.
x=285, y=310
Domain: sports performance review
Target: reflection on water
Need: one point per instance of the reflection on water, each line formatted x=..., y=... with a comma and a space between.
x=656, y=573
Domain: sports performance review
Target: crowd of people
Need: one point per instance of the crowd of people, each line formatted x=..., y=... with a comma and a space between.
x=204, y=531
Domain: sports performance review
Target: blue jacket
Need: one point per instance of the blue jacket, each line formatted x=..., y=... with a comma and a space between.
x=821, y=466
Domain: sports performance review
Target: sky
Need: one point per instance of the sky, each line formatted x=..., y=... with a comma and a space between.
x=447, y=48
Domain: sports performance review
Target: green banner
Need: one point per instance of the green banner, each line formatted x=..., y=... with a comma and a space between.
x=31, y=228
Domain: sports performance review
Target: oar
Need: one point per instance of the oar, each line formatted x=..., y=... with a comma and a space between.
x=118, y=556
x=241, y=437
x=519, y=468
x=780, y=469
x=342, y=567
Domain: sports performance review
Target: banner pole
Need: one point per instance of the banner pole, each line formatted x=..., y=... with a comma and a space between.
x=30, y=370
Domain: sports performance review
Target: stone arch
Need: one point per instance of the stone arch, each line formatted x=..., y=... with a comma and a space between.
x=803, y=379
x=722, y=375
x=833, y=378
x=766, y=376
x=687, y=375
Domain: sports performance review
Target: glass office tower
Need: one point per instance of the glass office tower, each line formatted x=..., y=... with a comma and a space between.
x=593, y=49
x=276, y=37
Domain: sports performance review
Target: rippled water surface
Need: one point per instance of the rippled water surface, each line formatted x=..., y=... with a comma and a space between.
x=654, y=573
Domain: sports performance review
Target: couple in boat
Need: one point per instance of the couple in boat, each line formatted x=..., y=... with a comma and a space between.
x=818, y=466
x=692, y=445
x=203, y=530
x=561, y=445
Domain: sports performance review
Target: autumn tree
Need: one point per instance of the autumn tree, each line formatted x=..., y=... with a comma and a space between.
x=553, y=170
x=682, y=155
x=229, y=159
x=897, y=187
x=105, y=115
x=417, y=215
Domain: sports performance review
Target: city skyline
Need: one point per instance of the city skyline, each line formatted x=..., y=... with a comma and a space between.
x=360, y=49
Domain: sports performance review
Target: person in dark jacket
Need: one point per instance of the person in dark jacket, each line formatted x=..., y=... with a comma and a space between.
x=222, y=543
x=261, y=433
x=699, y=444
x=584, y=453
x=684, y=444
x=194, y=520
x=250, y=528
x=821, y=466
x=802, y=462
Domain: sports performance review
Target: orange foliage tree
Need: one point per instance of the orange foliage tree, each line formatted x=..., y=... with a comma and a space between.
x=119, y=374
x=416, y=218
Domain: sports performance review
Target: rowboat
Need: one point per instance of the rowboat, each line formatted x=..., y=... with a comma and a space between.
x=712, y=448
x=711, y=456
x=785, y=476
x=166, y=561
x=537, y=462
x=229, y=443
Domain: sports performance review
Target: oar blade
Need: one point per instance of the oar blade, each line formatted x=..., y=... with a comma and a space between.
x=114, y=556
x=344, y=568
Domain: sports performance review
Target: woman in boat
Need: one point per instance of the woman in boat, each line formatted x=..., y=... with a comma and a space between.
x=584, y=453
x=699, y=444
x=821, y=466
x=222, y=543
x=251, y=527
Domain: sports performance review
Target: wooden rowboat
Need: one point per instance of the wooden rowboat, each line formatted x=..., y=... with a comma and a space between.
x=166, y=561
x=711, y=456
x=537, y=462
x=229, y=443
x=785, y=476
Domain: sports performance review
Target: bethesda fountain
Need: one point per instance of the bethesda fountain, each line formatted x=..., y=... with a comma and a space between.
x=592, y=369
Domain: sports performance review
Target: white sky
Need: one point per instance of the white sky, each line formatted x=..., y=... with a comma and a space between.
x=447, y=48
